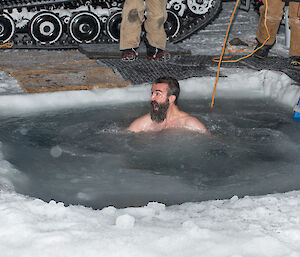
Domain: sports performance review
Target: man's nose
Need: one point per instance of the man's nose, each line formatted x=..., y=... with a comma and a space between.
x=152, y=96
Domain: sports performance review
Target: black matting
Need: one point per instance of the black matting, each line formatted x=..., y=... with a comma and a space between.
x=143, y=70
x=112, y=51
x=271, y=63
x=182, y=67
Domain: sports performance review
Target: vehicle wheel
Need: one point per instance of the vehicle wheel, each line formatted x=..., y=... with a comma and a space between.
x=196, y=16
x=172, y=24
x=113, y=26
x=46, y=27
x=7, y=28
x=199, y=7
x=84, y=27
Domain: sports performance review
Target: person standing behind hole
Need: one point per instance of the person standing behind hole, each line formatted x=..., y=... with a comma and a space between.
x=131, y=27
x=274, y=16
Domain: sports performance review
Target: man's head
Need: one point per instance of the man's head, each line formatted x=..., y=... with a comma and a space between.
x=165, y=91
x=173, y=86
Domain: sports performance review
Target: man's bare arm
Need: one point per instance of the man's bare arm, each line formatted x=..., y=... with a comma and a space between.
x=194, y=124
x=139, y=124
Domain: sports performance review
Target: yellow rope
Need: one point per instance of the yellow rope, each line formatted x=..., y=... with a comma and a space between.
x=220, y=59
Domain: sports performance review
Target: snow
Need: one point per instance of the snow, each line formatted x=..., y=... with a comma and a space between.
x=238, y=227
x=275, y=85
x=252, y=226
x=8, y=85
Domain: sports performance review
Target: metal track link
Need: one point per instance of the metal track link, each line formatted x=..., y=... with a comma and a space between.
x=12, y=4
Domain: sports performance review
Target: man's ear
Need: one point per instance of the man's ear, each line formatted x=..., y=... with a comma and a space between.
x=172, y=99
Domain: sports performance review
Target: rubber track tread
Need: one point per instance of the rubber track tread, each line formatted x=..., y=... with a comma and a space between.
x=189, y=22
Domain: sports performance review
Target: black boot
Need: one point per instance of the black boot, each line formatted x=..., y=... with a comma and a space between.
x=294, y=62
x=156, y=54
x=263, y=52
x=129, y=55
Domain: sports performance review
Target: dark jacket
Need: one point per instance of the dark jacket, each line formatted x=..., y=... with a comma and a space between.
x=291, y=0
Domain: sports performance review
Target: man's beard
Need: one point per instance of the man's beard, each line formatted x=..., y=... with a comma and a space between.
x=160, y=114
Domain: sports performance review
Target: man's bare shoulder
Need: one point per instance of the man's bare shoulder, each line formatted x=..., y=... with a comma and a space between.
x=140, y=123
x=192, y=123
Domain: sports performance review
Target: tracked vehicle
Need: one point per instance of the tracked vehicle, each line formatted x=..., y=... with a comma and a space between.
x=68, y=23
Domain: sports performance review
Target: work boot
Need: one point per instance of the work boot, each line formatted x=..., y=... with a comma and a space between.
x=294, y=62
x=129, y=55
x=263, y=52
x=156, y=54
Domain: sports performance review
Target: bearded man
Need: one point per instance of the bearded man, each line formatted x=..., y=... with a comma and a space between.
x=165, y=113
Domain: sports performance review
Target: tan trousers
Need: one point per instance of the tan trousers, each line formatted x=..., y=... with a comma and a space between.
x=133, y=17
x=274, y=16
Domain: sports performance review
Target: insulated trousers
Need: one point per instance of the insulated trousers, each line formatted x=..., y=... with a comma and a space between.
x=133, y=17
x=274, y=16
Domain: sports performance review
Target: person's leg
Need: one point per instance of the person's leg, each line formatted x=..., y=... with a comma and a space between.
x=132, y=19
x=274, y=16
x=154, y=24
x=294, y=21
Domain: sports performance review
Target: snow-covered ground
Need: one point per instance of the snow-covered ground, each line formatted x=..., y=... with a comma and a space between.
x=267, y=226
x=249, y=227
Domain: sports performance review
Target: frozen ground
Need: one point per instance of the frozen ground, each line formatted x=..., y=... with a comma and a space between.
x=250, y=226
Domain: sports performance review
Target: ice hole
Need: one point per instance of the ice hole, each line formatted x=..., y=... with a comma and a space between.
x=84, y=155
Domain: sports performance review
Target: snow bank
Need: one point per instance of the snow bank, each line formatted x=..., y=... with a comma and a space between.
x=8, y=85
x=279, y=87
x=243, y=84
x=8, y=174
x=251, y=226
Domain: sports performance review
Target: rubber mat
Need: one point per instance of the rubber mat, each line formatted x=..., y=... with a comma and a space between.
x=271, y=63
x=182, y=67
x=143, y=70
x=112, y=51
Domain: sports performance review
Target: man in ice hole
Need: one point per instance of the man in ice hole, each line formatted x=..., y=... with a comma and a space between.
x=165, y=113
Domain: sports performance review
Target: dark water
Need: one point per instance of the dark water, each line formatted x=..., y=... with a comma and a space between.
x=86, y=157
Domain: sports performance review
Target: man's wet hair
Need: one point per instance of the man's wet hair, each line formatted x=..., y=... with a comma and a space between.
x=173, y=86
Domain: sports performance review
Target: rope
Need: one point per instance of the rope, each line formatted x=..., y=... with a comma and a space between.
x=220, y=59
x=8, y=45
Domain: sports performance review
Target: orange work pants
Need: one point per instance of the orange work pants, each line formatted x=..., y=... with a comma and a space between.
x=274, y=16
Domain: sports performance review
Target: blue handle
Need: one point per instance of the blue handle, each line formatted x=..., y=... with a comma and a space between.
x=296, y=111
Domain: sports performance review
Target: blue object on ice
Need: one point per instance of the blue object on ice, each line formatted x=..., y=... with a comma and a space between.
x=297, y=111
